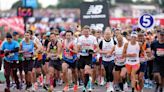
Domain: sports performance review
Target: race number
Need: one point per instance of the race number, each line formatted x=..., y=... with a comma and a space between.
x=146, y=21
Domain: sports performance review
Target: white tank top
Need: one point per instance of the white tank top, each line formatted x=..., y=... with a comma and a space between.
x=105, y=47
x=130, y=50
x=119, y=60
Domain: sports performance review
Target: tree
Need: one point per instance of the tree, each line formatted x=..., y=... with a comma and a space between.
x=69, y=3
x=51, y=6
x=19, y=3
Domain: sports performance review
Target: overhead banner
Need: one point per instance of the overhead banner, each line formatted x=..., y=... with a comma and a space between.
x=30, y=3
x=94, y=14
x=24, y=12
x=13, y=23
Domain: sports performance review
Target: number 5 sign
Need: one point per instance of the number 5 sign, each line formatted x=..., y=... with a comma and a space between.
x=146, y=21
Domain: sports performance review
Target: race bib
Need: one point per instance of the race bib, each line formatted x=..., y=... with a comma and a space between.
x=27, y=55
x=132, y=60
x=11, y=55
x=142, y=59
x=160, y=52
x=119, y=58
x=109, y=56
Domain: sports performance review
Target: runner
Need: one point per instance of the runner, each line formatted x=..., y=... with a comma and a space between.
x=131, y=53
x=145, y=50
x=69, y=58
x=117, y=32
x=20, y=65
x=120, y=70
x=10, y=48
x=27, y=49
x=106, y=50
x=54, y=51
x=45, y=59
x=158, y=66
x=98, y=67
x=86, y=44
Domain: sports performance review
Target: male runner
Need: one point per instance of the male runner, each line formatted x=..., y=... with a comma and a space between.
x=106, y=50
x=145, y=48
x=69, y=57
x=10, y=48
x=54, y=51
x=27, y=49
x=158, y=65
x=86, y=45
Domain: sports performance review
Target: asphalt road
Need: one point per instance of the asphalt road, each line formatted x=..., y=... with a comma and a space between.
x=59, y=89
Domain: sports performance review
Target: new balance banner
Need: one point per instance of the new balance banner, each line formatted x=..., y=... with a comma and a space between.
x=94, y=14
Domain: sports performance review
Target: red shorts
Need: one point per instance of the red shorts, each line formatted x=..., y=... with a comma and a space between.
x=132, y=67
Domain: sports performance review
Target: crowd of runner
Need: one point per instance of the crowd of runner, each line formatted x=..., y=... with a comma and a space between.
x=90, y=57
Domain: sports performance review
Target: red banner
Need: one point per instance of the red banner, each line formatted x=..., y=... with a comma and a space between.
x=133, y=21
x=14, y=23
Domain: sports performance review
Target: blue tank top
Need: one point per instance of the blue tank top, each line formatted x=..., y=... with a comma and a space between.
x=28, y=47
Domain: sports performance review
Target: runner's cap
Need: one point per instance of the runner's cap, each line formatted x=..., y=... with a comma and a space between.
x=8, y=35
x=134, y=34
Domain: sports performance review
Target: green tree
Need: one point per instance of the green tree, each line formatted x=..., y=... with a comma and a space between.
x=69, y=3
x=51, y=6
x=17, y=4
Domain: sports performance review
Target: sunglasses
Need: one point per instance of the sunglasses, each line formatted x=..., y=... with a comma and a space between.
x=158, y=31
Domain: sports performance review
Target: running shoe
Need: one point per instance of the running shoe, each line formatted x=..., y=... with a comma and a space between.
x=75, y=88
x=6, y=90
x=110, y=87
x=117, y=88
x=84, y=89
x=102, y=82
x=161, y=89
x=66, y=88
x=89, y=85
x=126, y=87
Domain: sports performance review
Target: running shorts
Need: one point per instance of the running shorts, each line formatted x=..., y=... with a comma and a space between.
x=132, y=67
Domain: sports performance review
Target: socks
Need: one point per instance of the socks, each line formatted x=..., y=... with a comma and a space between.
x=121, y=86
x=132, y=89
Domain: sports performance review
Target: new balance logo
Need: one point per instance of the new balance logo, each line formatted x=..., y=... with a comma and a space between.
x=95, y=9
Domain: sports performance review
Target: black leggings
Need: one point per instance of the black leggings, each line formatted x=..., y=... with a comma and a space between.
x=8, y=67
x=109, y=70
x=149, y=70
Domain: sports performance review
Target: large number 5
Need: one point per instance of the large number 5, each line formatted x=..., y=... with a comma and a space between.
x=146, y=20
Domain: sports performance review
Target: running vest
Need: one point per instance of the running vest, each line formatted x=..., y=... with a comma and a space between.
x=53, y=50
x=107, y=46
x=67, y=54
x=86, y=43
x=142, y=54
x=28, y=48
x=133, y=49
x=120, y=61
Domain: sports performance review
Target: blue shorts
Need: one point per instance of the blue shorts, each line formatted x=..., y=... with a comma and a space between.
x=143, y=67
